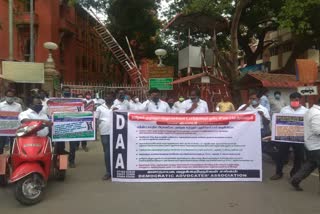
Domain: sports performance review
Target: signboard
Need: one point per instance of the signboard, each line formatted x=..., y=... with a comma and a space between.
x=306, y=71
x=159, y=147
x=89, y=106
x=65, y=105
x=308, y=90
x=9, y=123
x=161, y=72
x=287, y=128
x=69, y=126
x=161, y=83
x=23, y=72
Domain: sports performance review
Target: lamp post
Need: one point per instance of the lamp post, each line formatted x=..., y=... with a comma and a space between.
x=51, y=75
x=160, y=53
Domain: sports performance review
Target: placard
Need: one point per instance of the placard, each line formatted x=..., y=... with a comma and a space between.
x=157, y=147
x=9, y=123
x=69, y=126
x=287, y=128
x=65, y=105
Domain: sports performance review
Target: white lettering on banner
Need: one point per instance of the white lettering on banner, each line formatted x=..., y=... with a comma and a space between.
x=119, y=163
x=120, y=121
x=120, y=143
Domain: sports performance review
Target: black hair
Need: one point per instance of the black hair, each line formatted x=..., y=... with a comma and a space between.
x=65, y=87
x=277, y=92
x=295, y=95
x=154, y=90
x=10, y=90
x=197, y=91
x=30, y=102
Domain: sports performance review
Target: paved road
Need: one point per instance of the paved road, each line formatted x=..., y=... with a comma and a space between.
x=85, y=193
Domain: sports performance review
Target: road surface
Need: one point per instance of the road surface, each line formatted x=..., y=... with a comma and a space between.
x=84, y=192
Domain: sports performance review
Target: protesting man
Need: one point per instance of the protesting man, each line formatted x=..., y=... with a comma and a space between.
x=135, y=104
x=104, y=117
x=121, y=103
x=312, y=143
x=254, y=105
x=178, y=104
x=34, y=112
x=154, y=104
x=225, y=105
x=276, y=103
x=295, y=107
x=172, y=108
x=264, y=101
x=8, y=105
x=194, y=104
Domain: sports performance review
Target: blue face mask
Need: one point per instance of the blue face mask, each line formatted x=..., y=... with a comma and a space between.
x=254, y=102
x=37, y=108
x=277, y=96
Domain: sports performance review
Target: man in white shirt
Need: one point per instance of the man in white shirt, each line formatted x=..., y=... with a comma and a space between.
x=8, y=105
x=295, y=107
x=179, y=103
x=194, y=104
x=154, y=104
x=104, y=117
x=121, y=103
x=172, y=107
x=312, y=143
x=34, y=112
x=135, y=104
x=254, y=105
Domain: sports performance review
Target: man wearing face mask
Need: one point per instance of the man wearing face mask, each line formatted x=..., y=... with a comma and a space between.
x=172, y=108
x=104, y=117
x=178, y=104
x=154, y=104
x=8, y=105
x=295, y=107
x=276, y=103
x=121, y=103
x=34, y=112
x=135, y=104
x=254, y=105
x=194, y=104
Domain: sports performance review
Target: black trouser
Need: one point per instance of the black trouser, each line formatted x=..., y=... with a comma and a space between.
x=72, y=151
x=312, y=163
x=282, y=157
x=83, y=144
x=3, y=141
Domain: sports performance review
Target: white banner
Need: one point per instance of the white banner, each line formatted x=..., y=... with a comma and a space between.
x=151, y=147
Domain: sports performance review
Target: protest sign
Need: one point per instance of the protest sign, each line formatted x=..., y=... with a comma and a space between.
x=287, y=128
x=155, y=147
x=9, y=123
x=65, y=105
x=89, y=106
x=69, y=126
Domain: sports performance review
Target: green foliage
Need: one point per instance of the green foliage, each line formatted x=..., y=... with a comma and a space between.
x=302, y=17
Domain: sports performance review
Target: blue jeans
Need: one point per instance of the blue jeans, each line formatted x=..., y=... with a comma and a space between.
x=105, y=140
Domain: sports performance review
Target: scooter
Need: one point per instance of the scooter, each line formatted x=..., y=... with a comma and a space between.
x=30, y=164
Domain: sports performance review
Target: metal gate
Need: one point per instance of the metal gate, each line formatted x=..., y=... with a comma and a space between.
x=100, y=90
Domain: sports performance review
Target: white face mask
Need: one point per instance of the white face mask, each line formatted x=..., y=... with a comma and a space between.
x=136, y=100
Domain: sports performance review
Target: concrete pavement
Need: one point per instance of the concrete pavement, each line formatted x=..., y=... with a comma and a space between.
x=84, y=192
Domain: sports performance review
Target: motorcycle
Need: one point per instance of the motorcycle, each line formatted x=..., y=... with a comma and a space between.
x=30, y=163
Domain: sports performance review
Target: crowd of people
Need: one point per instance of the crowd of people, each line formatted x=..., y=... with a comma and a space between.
x=262, y=102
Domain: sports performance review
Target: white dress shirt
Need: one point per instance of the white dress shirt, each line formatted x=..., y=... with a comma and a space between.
x=173, y=109
x=258, y=108
x=30, y=114
x=161, y=106
x=201, y=108
x=289, y=110
x=122, y=106
x=15, y=107
x=178, y=105
x=133, y=106
x=104, y=116
x=312, y=128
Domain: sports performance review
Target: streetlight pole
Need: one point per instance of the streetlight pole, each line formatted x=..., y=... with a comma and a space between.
x=10, y=30
x=31, y=31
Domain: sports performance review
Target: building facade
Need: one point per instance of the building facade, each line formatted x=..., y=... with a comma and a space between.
x=81, y=58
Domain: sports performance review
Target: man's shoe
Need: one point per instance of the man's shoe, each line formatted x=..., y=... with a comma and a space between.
x=296, y=186
x=72, y=165
x=85, y=149
x=106, y=177
x=276, y=177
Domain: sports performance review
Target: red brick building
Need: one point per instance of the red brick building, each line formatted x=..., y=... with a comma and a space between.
x=81, y=56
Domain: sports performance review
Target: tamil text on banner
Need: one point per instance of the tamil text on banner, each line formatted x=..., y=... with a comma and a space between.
x=69, y=126
x=287, y=128
x=9, y=123
x=65, y=105
x=150, y=147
